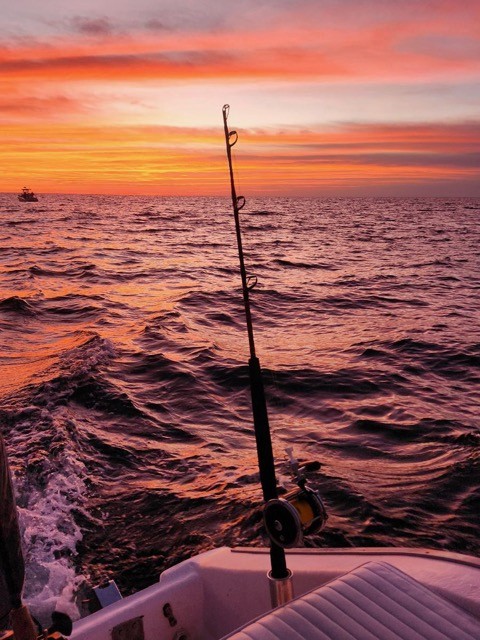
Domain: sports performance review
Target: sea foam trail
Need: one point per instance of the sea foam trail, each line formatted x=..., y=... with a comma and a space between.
x=51, y=479
x=51, y=485
x=49, y=497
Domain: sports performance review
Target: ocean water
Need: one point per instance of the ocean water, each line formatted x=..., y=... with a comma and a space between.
x=124, y=392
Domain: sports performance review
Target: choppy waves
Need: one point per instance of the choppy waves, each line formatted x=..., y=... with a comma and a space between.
x=125, y=403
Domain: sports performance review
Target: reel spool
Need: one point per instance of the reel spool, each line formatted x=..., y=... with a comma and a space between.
x=299, y=512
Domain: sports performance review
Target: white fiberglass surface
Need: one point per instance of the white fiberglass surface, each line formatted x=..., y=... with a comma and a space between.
x=216, y=592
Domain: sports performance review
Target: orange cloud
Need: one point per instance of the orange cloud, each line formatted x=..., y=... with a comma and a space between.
x=169, y=160
x=64, y=126
x=15, y=107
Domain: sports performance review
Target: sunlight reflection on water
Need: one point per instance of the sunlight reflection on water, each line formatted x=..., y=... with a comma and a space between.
x=125, y=350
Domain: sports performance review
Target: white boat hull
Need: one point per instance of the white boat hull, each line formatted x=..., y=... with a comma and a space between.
x=216, y=592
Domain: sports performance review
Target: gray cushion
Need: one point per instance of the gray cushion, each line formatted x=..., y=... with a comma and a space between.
x=374, y=602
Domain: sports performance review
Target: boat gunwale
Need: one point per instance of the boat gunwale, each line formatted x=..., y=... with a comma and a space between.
x=434, y=554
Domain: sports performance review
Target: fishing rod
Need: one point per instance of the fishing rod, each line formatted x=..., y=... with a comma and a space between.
x=279, y=574
x=300, y=511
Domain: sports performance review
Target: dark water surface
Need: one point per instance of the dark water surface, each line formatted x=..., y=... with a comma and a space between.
x=124, y=399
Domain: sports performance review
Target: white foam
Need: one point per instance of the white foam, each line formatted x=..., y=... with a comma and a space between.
x=50, y=536
x=52, y=489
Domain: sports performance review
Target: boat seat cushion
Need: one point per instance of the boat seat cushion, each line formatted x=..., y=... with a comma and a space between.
x=376, y=601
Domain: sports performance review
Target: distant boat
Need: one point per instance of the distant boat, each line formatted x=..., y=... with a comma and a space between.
x=27, y=195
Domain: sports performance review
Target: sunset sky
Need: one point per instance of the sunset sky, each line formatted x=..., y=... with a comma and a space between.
x=330, y=97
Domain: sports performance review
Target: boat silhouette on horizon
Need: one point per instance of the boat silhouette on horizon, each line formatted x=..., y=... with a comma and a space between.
x=27, y=195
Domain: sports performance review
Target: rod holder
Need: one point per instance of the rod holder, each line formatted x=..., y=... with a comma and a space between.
x=281, y=589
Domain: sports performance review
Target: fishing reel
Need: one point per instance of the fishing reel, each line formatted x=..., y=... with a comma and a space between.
x=299, y=512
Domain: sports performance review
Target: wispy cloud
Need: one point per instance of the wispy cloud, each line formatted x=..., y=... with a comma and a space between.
x=92, y=26
x=35, y=107
x=82, y=82
x=296, y=44
x=146, y=159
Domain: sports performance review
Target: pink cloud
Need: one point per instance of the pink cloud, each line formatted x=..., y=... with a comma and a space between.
x=302, y=41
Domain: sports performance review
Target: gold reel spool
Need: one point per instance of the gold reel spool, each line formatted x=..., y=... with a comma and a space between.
x=299, y=512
